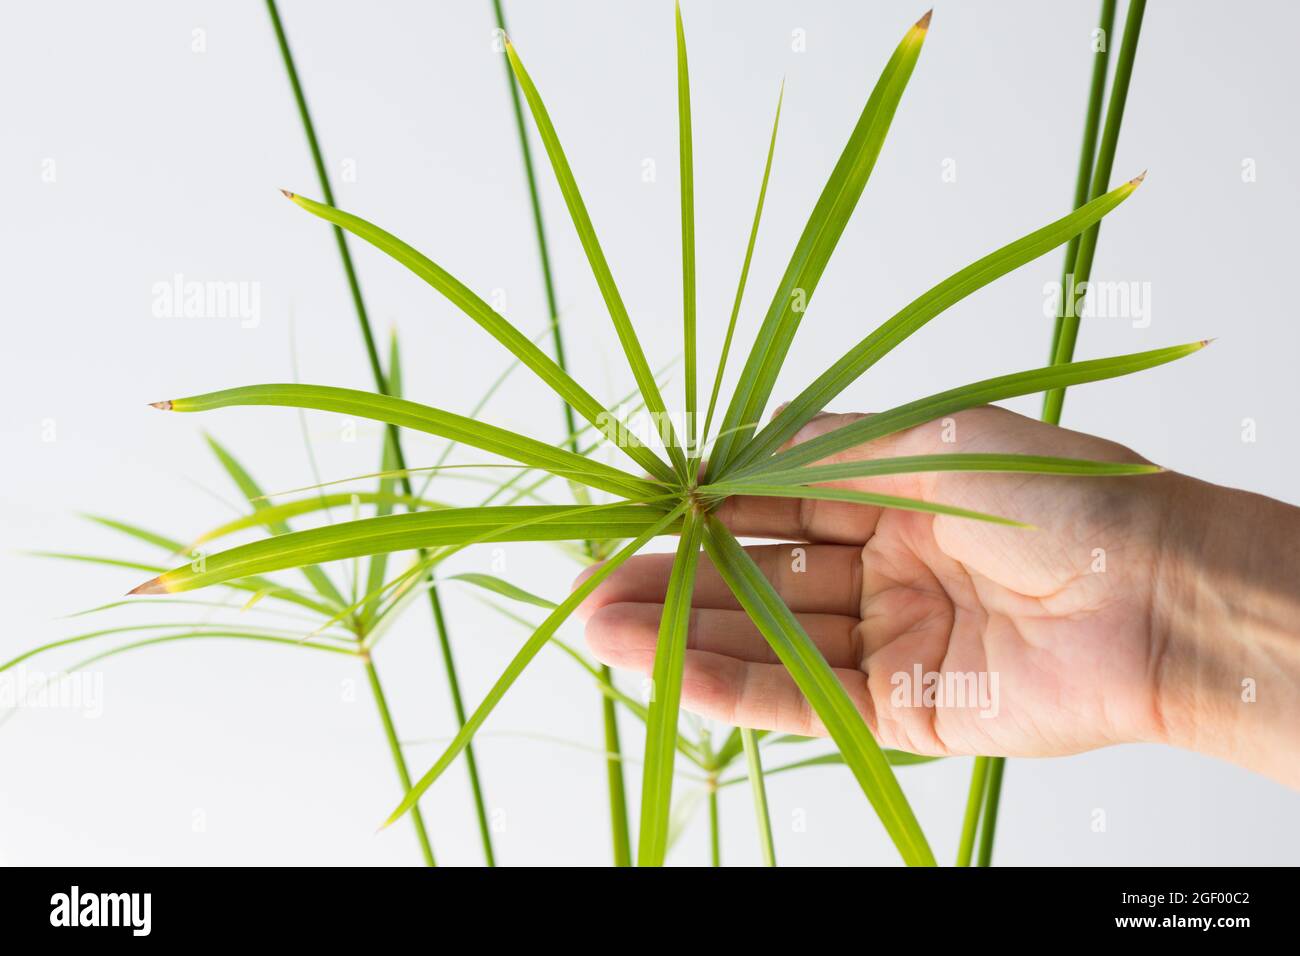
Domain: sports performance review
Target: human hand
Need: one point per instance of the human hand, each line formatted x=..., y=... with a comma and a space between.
x=1071, y=636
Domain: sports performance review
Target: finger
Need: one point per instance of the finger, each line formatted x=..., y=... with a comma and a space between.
x=765, y=697
x=810, y=578
x=799, y=519
x=626, y=635
x=762, y=696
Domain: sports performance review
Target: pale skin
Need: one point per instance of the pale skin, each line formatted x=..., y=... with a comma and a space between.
x=1153, y=608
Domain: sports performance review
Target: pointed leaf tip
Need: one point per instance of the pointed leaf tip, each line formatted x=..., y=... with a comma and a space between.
x=152, y=586
x=286, y=194
x=163, y=406
x=924, y=22
x=1137, y=180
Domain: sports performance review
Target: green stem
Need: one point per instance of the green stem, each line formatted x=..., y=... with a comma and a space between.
x=755, y=764
x=715, y=832
x=1079, y=258
x=989, y=827
x=395, y=745
x=619, y=827
x=381, y=384
x=1087, y=151
x=1063, y=347
x=974, y=802
x=539, y=226
x=614, y=776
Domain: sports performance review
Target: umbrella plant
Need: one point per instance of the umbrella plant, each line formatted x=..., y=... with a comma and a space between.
x=668, y=481
x=671, y=482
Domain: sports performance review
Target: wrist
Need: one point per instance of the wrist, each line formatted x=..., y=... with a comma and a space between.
x=1225, y=626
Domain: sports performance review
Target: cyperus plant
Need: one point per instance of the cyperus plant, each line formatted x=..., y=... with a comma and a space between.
x=670, y=486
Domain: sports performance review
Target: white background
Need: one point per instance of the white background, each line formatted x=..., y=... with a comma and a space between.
x=168, y=161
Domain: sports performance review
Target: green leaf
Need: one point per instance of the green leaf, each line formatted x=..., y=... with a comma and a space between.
x=252, y=491
x=966, y=396
x=915, y=315
x=820, y=236
x=170, y=545
x=687, y=177
x=957, y=461
x=259, y=586
x=481, y=404
x=525, y=656
x=191, y=602
x=627, y=336
x=384, y=500
x=497, y=586
x=408, y=532
x=607, y=687
x=498, y=327
x=207, y=635
x=896, y=758
x=377, y=569
x=744, y=275
x=229, y=630
x=405, y=414
x=860, y=498
x=665, y=704
x=819, y=684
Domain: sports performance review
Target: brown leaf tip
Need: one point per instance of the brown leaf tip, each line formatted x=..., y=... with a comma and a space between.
x=286, y=194
x=1137, y=180
x=163, y=406
x=924, y=22
x=152, y=586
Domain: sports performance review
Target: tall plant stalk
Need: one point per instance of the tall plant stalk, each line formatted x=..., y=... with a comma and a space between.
x=395, y=745
x=381, y=385
x=1063, y=345
x=1087, y=151
x=974, y=803
x=620, y=831
x=992, y=797
x=1078, y=269
x=754, y=762
x=715, y=827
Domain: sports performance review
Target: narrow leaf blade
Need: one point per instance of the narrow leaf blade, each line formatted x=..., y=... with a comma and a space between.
x=408, y=532
x=460, y=295
x=967, y=396
x=862, y=498
x=434, y=421
x=665, y=704
x=744, y=276
x=627, y=336
x=521, y=660
x=824, y=692
x=920, y=311
x=822, y=233
x=687, y=178
x=958, y=461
